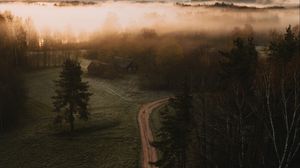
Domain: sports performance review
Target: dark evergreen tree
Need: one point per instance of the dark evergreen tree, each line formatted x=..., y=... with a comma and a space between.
x=238, y=73
x=239, y=65
x=72, y=95
x=284, y=48
x=166, y=143
x=176, y=127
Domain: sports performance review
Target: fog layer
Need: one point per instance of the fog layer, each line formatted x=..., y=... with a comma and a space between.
x=163, y=17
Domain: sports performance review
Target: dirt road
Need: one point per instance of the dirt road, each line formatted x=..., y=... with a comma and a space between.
x=149, y=153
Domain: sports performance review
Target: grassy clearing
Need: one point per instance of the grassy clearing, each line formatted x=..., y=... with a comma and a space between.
x=155, y=122
x=110, y=139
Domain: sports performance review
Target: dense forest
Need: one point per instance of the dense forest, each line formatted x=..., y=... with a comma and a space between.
x=12, y=90
x=248, y=118
x=21, y=50
x=234, y=104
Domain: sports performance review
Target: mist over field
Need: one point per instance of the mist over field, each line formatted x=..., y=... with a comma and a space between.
x=130, y=16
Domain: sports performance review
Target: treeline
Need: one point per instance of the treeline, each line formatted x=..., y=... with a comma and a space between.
x=158, y=59
x=236, y=103
x=51, y=49
x=22, y=48
x=12, y=51
x=243, y=111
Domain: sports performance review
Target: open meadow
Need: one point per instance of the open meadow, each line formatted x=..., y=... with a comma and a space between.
x=110, y=138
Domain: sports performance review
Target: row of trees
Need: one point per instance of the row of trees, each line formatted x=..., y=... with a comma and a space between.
x=22, y=48
x=249, y=119
x=12, y=89
x=159, y=57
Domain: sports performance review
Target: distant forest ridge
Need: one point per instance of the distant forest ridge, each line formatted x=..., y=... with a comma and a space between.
x=235, y=1
x=230, y=4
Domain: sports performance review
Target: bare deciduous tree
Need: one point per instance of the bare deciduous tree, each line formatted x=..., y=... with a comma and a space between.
x=286, y=142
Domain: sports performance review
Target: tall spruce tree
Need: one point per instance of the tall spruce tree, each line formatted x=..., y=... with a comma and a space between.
x=174, y=133
x=239, y=66
x=284, y=48
x=239, y=72
x=72, y=95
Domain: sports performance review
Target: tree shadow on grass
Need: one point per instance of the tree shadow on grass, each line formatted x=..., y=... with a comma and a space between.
x=89, y=129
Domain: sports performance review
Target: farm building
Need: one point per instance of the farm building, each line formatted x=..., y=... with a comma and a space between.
x=111, y=70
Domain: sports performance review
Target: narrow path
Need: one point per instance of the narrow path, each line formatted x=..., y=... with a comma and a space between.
x=149, y=153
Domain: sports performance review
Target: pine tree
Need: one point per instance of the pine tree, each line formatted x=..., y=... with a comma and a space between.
x=282, y=50
x=238, y=73
x=174, y=134
x=72, y=95
x=166, y=143
x=239, y=66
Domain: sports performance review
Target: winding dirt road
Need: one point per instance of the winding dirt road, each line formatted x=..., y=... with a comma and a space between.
x=149, y=153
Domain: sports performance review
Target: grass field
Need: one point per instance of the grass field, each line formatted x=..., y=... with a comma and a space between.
x=155, y=121
x=109, y=139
